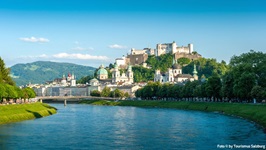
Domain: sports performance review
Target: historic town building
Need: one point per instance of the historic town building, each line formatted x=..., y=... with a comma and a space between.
x=126, y=78
x=174, y=75
x=102, y=73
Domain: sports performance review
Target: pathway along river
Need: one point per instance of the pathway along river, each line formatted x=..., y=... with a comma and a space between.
x=79, y=126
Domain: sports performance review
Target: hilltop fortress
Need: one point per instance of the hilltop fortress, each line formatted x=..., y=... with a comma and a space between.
x=139, y=56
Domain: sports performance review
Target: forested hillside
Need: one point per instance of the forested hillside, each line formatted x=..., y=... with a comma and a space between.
x=205, y=67
x=42, y=71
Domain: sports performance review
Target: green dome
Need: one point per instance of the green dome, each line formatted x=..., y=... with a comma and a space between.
x=102, y=71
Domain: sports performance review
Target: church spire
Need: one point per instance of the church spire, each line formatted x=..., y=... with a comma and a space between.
x=195, y=73
x=174, y=61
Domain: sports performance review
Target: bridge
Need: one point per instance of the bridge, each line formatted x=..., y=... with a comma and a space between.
x=73, y=99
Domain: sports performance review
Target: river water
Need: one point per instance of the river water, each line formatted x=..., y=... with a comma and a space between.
x=79, y=126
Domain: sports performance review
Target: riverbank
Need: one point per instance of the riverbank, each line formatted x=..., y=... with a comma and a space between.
x=253, y=112
x=21, y=112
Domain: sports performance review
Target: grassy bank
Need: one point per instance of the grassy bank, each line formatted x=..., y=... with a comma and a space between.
x=20, y=112
x=253, y=112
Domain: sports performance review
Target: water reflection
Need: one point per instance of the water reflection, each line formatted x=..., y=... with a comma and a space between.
x=105, y=127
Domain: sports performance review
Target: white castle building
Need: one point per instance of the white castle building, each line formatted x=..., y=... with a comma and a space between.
x=148, y=51
x=172, y=48
x=174, y=75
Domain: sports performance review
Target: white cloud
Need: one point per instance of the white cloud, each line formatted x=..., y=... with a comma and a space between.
x=79, y=56
x=34, y=40
x=116, y=46
x=34, y=57
x=78, y=48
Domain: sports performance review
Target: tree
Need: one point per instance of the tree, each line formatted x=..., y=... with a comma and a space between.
x=254, y=62
x=111, y=66
x=106, y=92
x=19, y=92
x=183, y=61
x=163, y=90
x=84, y=80
x=138, y=93
x=227, y=85
x=126, y=95
x=194, y=52
x=30, y=92
x=95, y=93
x=213, y=87
x=11, y=92
x=243, y=85
x=258, y=92
x=3, y=92
x=4, y=74
x=116, y=93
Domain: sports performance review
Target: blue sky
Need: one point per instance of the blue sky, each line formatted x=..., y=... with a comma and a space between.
x=96, y=32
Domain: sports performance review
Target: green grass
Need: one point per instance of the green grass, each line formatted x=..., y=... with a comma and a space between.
x=253, y=112
x=20, y=112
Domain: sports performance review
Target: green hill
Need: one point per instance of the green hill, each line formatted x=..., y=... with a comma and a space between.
x=42, y=71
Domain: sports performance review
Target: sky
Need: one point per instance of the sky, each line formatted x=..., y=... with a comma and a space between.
x=90, y=32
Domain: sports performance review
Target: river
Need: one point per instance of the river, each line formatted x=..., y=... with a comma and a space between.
x=79, y=126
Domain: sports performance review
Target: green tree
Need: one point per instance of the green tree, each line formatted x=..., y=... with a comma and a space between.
x=213, y=87
x=163, y=90
x=116, y=93
x=258, y=92
x=86, y=79
x=3, y=92
x=248, y=70
x=227, y=85
x=19, y=92
x=11, y=92
x=106, y=92
x=4, y=74
x=183, y=61
x=243, y=85
x=138, y=93
x=127, y=95
x=95, y=93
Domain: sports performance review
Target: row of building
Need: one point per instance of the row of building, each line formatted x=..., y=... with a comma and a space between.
x=68, y=86
x=124, y=81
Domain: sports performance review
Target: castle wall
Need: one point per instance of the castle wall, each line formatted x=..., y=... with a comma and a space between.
x=190, y=56
x=137, y=59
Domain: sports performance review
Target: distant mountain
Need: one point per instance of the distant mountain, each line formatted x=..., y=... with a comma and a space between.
x=42, y=71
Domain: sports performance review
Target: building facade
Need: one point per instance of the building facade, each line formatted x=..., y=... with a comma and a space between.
x=102, y=73
x=172, y=48
x=174, y=75
x=127, y=78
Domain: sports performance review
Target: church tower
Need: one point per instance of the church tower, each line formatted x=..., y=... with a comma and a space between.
x=64, y=81
x=177, y=69
x=195, y=76
x=73, y=80
x=115, y=74
x=130, y=74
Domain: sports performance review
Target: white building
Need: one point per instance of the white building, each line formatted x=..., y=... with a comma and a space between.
x=148, y=51
x=121, y=61
x=126, y=78
x=174, y=75
x=172, y=48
